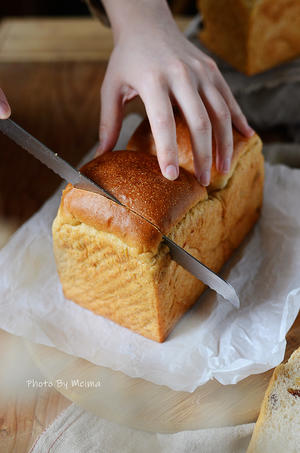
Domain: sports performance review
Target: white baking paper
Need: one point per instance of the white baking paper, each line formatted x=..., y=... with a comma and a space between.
x=213, y=340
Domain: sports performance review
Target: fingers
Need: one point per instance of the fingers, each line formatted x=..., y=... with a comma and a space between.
x=238, y=118
x=110, y=117
x=160, y=114
x=221, y=123
x=4, y=106
x=200, y=128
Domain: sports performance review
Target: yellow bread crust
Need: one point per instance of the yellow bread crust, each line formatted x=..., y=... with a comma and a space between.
x=274, y=34
x=252, y=36
x=104, y=215
x=141, y=288
x=136, y=180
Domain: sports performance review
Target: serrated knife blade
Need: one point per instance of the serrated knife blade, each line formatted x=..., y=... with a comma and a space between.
x=77, y=179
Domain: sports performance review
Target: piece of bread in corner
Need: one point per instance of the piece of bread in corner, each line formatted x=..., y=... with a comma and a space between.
x=277, y=429
x=252, y=35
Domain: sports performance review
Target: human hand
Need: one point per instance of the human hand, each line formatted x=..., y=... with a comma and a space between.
x=154, y=60
x=4, y=106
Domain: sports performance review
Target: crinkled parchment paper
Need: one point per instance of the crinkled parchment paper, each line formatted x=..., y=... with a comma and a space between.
x=213, y=340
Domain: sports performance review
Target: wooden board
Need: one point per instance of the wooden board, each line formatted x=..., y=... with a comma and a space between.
x=140, y=404
x=60, y=39
x=24, y=412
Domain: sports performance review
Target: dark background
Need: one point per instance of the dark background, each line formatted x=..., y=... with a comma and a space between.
x=71, y=7
x=43, y=7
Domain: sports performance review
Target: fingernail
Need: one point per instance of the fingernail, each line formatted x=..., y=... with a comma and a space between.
x=4, y=110
x=226, y=165
x=205, y=178
x=171, y=172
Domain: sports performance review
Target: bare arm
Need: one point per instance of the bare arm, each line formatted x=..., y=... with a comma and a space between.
x=154, y=60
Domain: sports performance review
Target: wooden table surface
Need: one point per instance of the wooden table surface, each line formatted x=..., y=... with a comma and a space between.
x=51, y=71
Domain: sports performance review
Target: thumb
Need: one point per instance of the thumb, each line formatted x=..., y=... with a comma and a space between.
x=4, y=106
x=110, y=118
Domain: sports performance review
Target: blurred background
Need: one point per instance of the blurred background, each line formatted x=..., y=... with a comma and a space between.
x=51, y=69
x=72, y=8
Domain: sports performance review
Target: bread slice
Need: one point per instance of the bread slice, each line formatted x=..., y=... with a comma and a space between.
x=277, y=429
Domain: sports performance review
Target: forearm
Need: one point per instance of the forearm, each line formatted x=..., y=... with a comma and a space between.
x=137, y=16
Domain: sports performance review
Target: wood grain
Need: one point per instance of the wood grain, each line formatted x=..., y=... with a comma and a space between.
x=68, y=39
x=24, y=412
x=142, y=405
x=46, y=40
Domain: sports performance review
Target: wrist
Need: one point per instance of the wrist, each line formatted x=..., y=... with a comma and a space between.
x=138, y=16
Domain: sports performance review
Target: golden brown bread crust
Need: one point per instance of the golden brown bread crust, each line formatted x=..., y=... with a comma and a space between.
x=274, y=34
x=143, y=139
x=142, y=289
x=104, y=215
x=136, y=180
x=252, y=35
x=225, y=31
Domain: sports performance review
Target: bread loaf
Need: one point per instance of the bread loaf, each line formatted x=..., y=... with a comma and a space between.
x=114, y=263
x=252, y=35
x=277, y=429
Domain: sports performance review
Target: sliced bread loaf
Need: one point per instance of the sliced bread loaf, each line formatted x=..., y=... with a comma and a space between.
x=277, y=429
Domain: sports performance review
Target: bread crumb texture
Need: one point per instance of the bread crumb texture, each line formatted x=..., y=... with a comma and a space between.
x=277, y=429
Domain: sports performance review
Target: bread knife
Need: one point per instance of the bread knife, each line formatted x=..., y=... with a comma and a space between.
x=78, y=180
